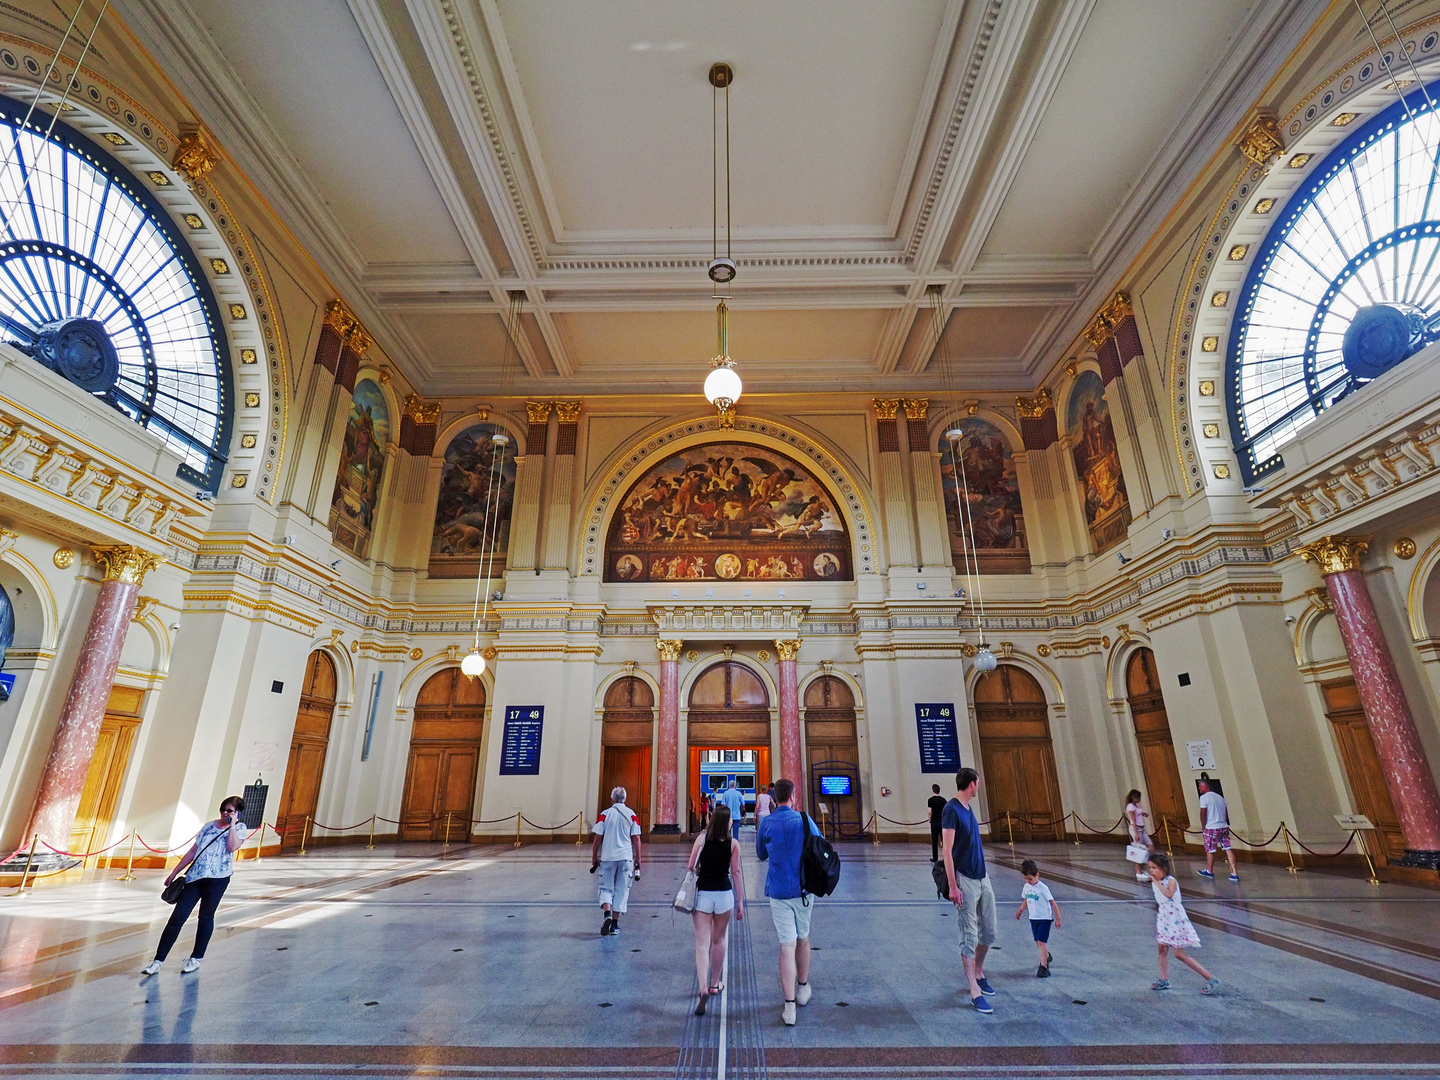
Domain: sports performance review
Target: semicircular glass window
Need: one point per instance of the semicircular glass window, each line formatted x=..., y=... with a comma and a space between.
x=1345, y=285
x=97, y=283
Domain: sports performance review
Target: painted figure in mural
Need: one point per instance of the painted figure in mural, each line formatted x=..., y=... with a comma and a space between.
x=1097, y=462
x=475, y=502
x=987, y=471
x=766, y=515
x=362, y=468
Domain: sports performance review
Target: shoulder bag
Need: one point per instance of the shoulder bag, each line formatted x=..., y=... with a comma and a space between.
x=685, y=895
x=171, y=893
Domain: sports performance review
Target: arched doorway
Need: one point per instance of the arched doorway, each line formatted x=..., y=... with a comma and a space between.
x=832, y=752
x=1163, y=788
x=444, y=758
x=101, y=793
x=728, y=733
x=1016, y=755
x=306, y=764
x=1369, y=792
x=627, y=734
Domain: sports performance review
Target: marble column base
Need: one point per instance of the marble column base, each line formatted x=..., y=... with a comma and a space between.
x=665, y=830
x=46, y=862
x=1422, y=860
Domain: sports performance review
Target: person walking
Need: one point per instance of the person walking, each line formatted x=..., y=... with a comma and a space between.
x=719, y=889
x=970, y=889
x=1138, y=821
x=1173, y=929
x=764, y=803
x=1215, y=827
x=936, y=803
x=735, y=800
x=1044, y=912
x=616, y=854
x=207, y=867
x=781, y=842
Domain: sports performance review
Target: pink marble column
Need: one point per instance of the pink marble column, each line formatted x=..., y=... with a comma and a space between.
x=792, y=767
x=667, y=769
x=1387, y=712
x=78, y=731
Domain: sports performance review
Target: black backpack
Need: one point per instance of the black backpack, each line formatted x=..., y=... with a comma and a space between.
x=819, y=865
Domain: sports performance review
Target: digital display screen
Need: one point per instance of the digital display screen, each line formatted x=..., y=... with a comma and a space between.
x=834, y=785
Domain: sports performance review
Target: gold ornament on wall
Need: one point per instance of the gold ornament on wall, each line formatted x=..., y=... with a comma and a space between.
x=124, y=563
x=490, y=653
x=669, y=649
x=421, y=411
x=1032, y=408
x=788, y=648
x=968, y=649
x=63, y=558
x=693, y=655
x=1207, y=387
x=537, y=412
x=416, y=653
x=194, y=157
x=1404, y=548
x=885, y=408
x=1261, y=142
x=763, y=656
x=1043, y=649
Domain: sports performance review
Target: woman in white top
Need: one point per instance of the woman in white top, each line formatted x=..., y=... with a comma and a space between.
x=211, y=861
x=1139, y=823
x=764, y=803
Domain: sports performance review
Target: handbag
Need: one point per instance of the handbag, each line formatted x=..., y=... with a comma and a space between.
x=1137, y=853
x=171, y=893
x=685, y=895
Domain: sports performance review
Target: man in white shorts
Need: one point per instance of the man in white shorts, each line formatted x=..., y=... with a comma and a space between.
x=780, y=841
x=616, y=854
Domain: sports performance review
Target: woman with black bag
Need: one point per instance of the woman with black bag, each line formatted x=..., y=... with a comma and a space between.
x=211, y=861
x=720, y=889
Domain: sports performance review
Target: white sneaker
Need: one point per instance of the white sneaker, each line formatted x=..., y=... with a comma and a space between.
x=193, y=964
x=1142, y=877
x=152, y=968
x=802, y=994
x=788, y=1014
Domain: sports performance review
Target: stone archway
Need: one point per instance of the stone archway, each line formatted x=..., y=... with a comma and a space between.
x=627, y=737
x=727, y=732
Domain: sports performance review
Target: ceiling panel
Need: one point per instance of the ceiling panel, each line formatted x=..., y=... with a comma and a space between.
x=990, y=333
x=468, y=341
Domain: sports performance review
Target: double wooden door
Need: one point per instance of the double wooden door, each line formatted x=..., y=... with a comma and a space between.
x=305, y=767
x=626, y=736
x=1017, y=759
x=444, y=764
x=106, y=775
x=1368, y=790
x=1164, y=794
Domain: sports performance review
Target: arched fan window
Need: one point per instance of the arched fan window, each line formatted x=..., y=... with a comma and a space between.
x=97, y=283
x=1345, y=286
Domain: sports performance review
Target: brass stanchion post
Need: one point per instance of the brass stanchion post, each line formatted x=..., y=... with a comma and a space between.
x=1292, y=867
x=517, y=828
x=305, y=835
x=29, y=862
x=260, y=844
x=130, y=862
x=1076, y=818
x=580, y=830
x=447, y=829
x=1360, y=835
x=370, y=844
x=1166, y=820
x=875, y=832
x=1010, y=827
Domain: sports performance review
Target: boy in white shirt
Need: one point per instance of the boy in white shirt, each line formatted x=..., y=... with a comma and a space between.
x=1043, y=912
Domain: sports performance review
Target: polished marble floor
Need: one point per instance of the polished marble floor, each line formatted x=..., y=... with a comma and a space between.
x=486, y=961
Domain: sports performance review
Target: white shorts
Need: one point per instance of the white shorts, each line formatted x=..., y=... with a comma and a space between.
x=792, y=917
x=614, y=882
x=715, y=902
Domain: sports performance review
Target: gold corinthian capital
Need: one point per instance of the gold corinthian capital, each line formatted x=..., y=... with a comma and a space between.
x=669, y=648
x=788, y=649
x=123, y=563
x=1335, y=554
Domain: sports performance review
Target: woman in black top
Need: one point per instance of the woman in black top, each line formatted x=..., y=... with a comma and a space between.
x=719, y=889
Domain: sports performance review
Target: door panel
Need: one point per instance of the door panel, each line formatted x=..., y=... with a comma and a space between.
x=1016, y=756
x=106, y=775
x=627, y=767
x=444, y=765
x=422, y=782
x=305, y=766
x=1368, y=790
x=1164, y=789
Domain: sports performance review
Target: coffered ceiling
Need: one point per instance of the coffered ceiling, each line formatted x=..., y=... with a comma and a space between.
x=440, y=156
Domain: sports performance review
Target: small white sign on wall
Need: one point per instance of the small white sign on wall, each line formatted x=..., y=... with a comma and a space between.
x=1202, y=754
x=264, y=756
x=1354, y=821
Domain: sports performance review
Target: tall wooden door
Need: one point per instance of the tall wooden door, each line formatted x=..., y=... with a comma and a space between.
x=832, y=749
x=626, y=736
x=1017, y=759
x=444, y=758
x=106, y=776
x=1368, y=790
x=306, y=765
x=1164, y=793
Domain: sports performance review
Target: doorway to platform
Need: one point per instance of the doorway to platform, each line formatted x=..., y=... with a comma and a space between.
x=1157, y=750
x=729, y=714
x=713, y=767
x=833, y=753
x=626, y=736
x=305, y=767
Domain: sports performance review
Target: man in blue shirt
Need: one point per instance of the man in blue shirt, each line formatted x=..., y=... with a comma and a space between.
x=970, y=890
x=780, y=840
x=735, y=800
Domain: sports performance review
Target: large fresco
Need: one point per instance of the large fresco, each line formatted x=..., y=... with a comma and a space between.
x=1097, y=462
x=727, y=511
x=362, y=468
x=988, y=472
x=472, y=494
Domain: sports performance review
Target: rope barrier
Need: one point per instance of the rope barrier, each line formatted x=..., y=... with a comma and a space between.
x=1322, y=855
x=88, y=854
x=340, y=828
x=549, y=828
x=892, y=821
x=1098, y=832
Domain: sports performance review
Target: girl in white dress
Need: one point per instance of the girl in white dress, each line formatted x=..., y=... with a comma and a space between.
x=1172, y=926
x=1138, y=821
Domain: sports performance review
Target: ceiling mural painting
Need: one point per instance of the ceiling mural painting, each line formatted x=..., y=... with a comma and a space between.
x=362, y=468
x=728, y=511
x=472, y=517
x=1097, y=462
x=987, y=474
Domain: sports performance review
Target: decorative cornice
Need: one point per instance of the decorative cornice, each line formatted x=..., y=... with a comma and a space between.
x=787, y=649
x=886, y=408
x=1335, y=554
x=1262, y=142
x=1032, y=408
x=124, y=563
x=669, y=649
x=740, y=619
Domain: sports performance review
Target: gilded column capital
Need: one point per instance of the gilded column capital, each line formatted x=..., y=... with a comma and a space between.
x=339, y=316
x=1261, y=142
x=1032, y=408
x=538, y=411
x=916, y=408
x=359, y=340
x=1118, y=309
x=669, y=649
x=885, y=408
x=1099, y=330
x=194, y=157
x=788, y=648
x=1335, y=554
x=568, y=411
x=7, y=539
x=421, y=411
x=124, y=563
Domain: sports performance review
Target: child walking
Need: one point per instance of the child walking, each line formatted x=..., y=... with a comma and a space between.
x=1172, y=926
x=1043, y=912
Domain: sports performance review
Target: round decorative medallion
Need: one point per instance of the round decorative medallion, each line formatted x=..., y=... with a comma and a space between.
x=490, y=653
x=693, y=655
x=1405, y=547
x=727, y=565
x=763, y=656
x=416, y=653
x=64, y=558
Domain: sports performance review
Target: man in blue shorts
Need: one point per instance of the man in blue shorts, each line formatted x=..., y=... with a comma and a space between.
x=780, y=840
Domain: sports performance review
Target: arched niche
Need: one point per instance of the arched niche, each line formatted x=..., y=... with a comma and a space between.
x=371, y=424
x=832, y=753
x=443, y=770
x=1151, y=720
x=1090, y=430
x=309, y=741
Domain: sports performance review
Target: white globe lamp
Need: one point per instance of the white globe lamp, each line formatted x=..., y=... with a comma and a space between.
x=722, y=385
x=985, y=659
x=474, y=664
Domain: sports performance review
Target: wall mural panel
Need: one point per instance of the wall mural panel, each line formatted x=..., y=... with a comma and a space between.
x=988, y=471
x=362, y=468
x=1097, y=462
x=474, y=503
x=728, y=511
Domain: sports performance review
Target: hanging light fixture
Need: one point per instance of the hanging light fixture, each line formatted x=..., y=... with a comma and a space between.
x=722, y=385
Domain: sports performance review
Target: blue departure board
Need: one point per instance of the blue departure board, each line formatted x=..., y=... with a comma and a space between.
x=520, y=746
x=939, y=745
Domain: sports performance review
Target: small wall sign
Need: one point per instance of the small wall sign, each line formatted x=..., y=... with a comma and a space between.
x=1202, y=754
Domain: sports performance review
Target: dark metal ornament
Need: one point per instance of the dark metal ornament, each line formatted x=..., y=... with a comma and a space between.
x=81, y=351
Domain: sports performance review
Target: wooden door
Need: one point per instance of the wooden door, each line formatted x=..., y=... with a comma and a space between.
x=831, y=748
x=1368, y=791
x=106, y=775
x=1017, y=760
x=305, y=767
x=1165, y=796
x=444, y=764
x=728, y=707
x=627, y=734
x=627, y=767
